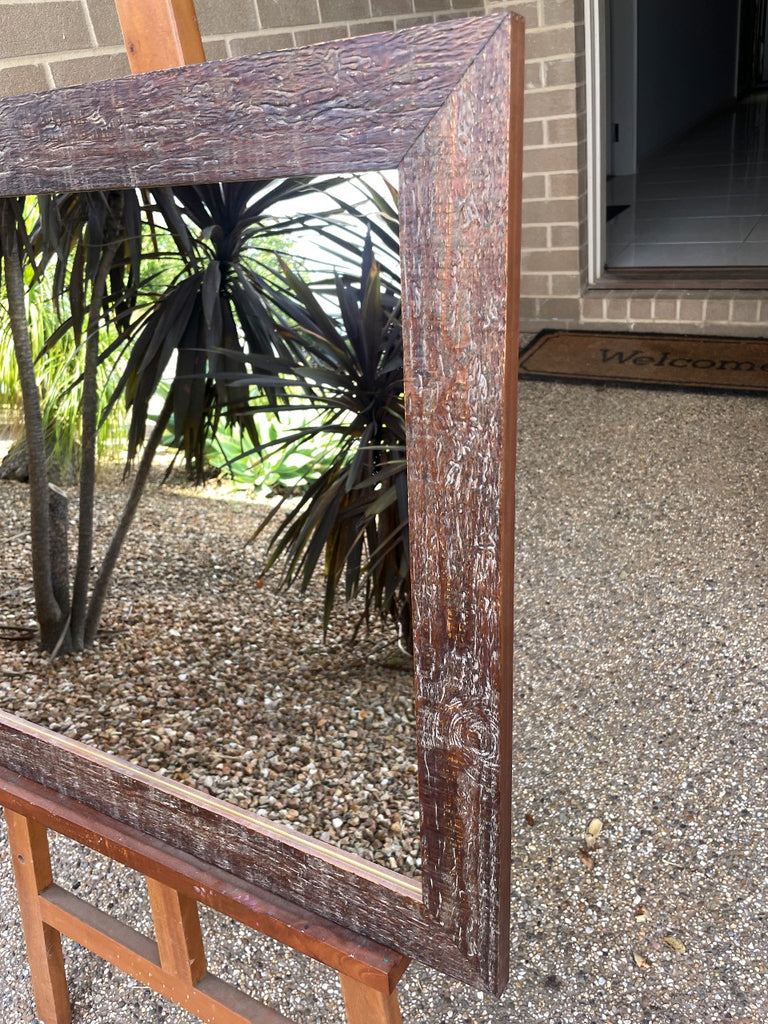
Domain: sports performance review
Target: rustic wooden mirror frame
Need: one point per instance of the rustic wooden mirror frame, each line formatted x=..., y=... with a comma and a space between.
x=442, y=104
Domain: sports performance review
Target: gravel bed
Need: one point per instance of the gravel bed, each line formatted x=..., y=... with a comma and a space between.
x=640, y=804
x=216, y=677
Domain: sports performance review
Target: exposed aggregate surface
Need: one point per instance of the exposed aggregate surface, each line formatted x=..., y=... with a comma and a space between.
x=640, y=801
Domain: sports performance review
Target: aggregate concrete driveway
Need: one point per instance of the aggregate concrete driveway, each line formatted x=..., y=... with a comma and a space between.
x=640, y=860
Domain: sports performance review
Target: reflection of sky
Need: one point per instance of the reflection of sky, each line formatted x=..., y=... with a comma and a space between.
x=321, y=258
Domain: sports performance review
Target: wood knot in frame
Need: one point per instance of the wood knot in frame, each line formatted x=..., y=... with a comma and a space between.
x=468, y=739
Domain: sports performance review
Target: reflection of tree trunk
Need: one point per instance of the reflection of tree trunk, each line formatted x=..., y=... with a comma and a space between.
x=51, y=616
x=15, y=465
x=90, y=414
x=58, y=511
x=101, y=586
x=62, y=469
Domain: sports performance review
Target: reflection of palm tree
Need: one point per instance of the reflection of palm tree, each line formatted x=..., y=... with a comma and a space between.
x=211, y=316
x=354, y=514
x=190, y=285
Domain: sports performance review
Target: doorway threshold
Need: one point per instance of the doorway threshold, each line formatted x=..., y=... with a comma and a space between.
x=682, y=278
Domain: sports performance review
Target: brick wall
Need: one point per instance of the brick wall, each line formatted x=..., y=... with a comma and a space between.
x=554, y=164
x=50, y=43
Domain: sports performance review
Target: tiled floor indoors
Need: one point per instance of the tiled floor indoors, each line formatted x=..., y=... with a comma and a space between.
x=702, y=202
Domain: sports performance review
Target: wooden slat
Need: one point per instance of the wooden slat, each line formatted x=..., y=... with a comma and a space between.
x=348, y=105
x=160, y=33
x=177, y=927
x=366, y=1006
x=350, y=954
x=211, y=999
x=32, y=869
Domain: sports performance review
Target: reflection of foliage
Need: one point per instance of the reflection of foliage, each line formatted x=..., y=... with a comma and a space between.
x=211, y=316
x=275, y=467
x=59, y=368
x=80, y=247
x=188, y=292
x=93, y=241
x=316, y=384
x=353, y=515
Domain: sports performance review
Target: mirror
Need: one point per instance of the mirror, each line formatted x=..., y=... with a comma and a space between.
x=240, y=688
x=455, y=137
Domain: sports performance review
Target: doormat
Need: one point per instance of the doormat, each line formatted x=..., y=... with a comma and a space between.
x=655, y=360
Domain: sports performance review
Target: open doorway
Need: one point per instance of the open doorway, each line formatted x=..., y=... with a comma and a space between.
x=686, y=135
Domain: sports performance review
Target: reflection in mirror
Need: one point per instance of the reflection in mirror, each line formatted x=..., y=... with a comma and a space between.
x=262, y=322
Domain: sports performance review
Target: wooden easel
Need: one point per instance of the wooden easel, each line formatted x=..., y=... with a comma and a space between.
x=175, y=964
x=161, y=34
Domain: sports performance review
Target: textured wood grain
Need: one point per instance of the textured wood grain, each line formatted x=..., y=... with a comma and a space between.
x=160, y=33
x=336, y=885
x=354, y=104
x=443, y=103
x=461, y=245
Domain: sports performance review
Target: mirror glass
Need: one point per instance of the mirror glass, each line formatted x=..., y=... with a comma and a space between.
x=206, y=668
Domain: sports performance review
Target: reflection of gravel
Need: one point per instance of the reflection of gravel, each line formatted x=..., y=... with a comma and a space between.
x=640, y=702
x=206, y=675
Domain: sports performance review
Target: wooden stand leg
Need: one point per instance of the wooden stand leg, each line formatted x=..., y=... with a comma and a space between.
x=160, y=33
x=365, y=1005
x=31, y=857
x=178, y=932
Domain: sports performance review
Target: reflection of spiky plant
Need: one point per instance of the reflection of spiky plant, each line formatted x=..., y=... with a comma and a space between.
x=353, y=516
x=209, y=319
x=93, y=239
x=239, y=339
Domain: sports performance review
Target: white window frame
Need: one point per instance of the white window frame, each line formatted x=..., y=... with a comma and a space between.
x=594, y=42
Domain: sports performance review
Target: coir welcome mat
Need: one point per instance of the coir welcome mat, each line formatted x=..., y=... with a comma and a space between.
x=661, y=360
